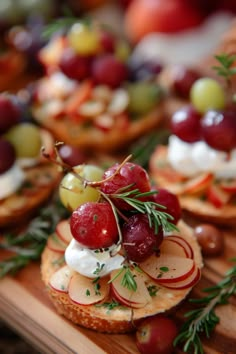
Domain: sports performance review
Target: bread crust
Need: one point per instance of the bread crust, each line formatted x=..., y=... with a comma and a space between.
x=40, y=182
x=192, y=204
x=120, y=319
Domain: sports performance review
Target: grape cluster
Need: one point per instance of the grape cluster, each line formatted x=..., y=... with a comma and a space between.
x=207, y=117
x=102, y=216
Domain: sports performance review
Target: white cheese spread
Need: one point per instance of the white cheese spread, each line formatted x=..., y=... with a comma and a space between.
x=91, y=263
x=192, y=159
x=10, y=181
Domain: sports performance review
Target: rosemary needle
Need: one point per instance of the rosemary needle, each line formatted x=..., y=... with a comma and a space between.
x=202, y=321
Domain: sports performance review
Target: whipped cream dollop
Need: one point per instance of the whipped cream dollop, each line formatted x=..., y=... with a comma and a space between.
x=86, y=261
x=192, y=159
x=11, y=180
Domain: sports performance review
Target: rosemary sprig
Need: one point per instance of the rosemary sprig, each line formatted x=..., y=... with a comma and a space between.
x=225, y=68
x=29, y=244
x=202, y=321
x=156, y=217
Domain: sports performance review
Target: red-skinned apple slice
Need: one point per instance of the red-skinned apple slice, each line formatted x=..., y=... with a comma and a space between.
x=168, y=268
x=181, y=241
x=87, y=291
x=57, y=245
x=63, y=231
x=198, y=184
x=133, y=298
x=60, y=279
x=189, y=282
x=217, y=196
x=170, y=246
x=228, y=186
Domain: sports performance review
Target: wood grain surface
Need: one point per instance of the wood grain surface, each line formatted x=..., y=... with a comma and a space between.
x=25, y=306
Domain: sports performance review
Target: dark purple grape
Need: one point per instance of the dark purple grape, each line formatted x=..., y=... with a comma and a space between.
x=183, y=79
x=9, y=113
x=75, y=66
x=139, y=239
x=72, y=155
x=185, y=124
x=219, y=129
x=145, y=70
x=170, y=201
x=7, y=155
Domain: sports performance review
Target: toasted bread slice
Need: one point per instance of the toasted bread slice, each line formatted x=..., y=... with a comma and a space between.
x=191, y=193
x=40, y=182
x=120, y=319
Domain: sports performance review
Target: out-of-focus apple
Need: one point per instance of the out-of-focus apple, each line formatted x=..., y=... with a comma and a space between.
x=146, y=16
x=155, y=335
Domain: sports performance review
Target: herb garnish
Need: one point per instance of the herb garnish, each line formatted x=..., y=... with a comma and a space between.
x=202, y=321
x=29, y=244
x=225, y=68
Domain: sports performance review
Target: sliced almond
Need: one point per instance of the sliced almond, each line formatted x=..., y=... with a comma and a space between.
x=104, y=121
x=102, y=93
x=119, y=102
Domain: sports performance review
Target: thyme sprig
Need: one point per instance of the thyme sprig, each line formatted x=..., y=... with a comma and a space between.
x=202, y=320
x=225, y=68
x=29, y=244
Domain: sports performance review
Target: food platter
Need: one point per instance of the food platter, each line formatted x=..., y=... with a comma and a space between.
x=25, y=306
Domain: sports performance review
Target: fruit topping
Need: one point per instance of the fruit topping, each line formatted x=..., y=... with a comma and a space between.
x=60, y=280
x=140, y=240
x=7, y=155
x=93, y=225
x=185, y=124
x=219, y=129
x=168, y=200
x=9, y=113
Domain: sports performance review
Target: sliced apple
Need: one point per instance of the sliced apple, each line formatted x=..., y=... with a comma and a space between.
x=87, y=291
x=60, y=280
x=170, y=246
x=47, y=142
x=185, y=244
x=55, y=244
x=168, y=268
x=228, y=186
x=217, y=196
x=133, y=298
x=198, y=184
x=189, y=282
x=63, y=231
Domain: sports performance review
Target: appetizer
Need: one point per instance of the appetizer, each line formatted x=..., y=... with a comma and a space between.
x=92, y=96
x=121, y=256
x=27, y=180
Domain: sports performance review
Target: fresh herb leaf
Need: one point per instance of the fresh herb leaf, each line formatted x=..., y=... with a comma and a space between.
x=109, y=305
x=29, y=245
x=202, y=320
x=225, y=68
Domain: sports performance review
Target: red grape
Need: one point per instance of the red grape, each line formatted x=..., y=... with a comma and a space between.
x=130, y=174
x=108, y=70
x=72, y=155
x=139, y=239
x=7, y=155
x=185, y=123
x=10, y=113
x=75, y=66
x=182, y=80
x=170, y=201
x=219, y=129
x=107, y=41
x=94, y=226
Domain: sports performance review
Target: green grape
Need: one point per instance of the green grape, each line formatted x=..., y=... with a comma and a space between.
x=72, y=191
x=26, y=138
x=84, y=40
x=144, y=96
x=207, y=93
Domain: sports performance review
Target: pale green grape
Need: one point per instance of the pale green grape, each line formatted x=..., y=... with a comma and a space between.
x=144, y=96
x=207, y=93
x=72, y=191
x=26, y=139
x=122, y=50
x=83, y=40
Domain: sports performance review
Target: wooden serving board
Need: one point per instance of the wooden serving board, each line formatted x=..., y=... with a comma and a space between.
x=25, y=306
